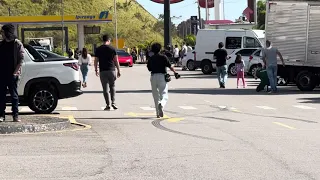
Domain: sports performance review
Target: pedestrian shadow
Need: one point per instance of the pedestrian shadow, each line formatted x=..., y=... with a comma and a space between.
x=33, y=113
x=310, y=100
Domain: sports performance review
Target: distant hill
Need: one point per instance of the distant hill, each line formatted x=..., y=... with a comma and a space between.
x=135, y=24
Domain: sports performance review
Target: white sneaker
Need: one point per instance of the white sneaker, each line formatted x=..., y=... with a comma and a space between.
x=2, y=119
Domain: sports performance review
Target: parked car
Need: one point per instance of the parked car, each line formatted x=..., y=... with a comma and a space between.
x=189, y=61
x=255, y=62
x=44, y=81
x=125, y=58
x=245, y=53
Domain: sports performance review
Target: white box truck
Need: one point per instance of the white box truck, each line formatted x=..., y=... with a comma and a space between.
x=294, y=28
x=208, y=39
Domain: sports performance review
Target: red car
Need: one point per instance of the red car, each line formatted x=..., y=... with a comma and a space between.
x=125, y=58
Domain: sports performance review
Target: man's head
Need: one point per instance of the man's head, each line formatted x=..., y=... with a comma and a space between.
x=7, y=32
x=106, y=39
x=268, y=43
x=220, y=45
x=156, y=47
x=176, y=46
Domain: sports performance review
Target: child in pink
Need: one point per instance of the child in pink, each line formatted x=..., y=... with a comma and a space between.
x=240, y=70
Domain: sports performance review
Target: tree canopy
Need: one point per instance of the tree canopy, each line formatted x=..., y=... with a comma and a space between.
x=135, y=24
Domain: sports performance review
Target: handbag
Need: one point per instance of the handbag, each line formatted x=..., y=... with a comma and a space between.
x=167, y=77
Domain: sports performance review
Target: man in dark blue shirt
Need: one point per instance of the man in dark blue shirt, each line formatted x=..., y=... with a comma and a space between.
x=11, y=51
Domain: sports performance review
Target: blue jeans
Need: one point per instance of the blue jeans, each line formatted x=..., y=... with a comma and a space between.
x=12, y=84
x=272, y=75
x=159, y=90
x=84, y=70
x=222, y=74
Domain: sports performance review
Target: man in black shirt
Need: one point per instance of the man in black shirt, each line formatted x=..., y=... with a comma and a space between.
x=221, y=56
x=11, y=58
x=107, y=58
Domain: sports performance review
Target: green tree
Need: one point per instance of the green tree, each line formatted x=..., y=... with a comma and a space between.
x=190, y=39
x=261, y=8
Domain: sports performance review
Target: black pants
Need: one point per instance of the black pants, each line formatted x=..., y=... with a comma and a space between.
x=10, y=82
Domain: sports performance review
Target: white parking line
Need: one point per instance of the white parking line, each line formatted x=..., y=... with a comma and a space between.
x=187, y=107
x=222, y=107
x=147, y=108
x=266, y=107
x=25, y=109
x=69, y=108
x=303, y=107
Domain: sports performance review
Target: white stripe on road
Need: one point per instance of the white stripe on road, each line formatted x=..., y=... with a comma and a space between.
x=266, y=107
x=25, y=109
x=187, y=107
x=303, y=107
x=69, y=109
x=222, y=107
x=147, y=108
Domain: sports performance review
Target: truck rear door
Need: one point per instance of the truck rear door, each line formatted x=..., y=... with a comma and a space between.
x=314, y=36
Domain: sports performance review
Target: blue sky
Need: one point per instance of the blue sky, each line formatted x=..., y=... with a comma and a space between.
x=187, y=8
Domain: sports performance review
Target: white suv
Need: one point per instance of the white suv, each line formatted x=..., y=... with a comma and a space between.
x=44, y=81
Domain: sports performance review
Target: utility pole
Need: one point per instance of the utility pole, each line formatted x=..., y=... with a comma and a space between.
x=199, y=14
x=167, y=23
x=62, y=21
x=116, y=23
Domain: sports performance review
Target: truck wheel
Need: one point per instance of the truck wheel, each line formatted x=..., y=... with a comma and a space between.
x=43, y=100
x=233, y=69
x=207, y=67
x=191, y=66
x=306, y=81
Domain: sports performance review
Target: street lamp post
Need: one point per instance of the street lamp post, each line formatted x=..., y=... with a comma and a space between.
x=167, y=24
x=116, y=23
x=62, y=21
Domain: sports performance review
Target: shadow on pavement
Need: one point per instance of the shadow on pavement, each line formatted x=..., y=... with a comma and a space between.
x=118, y=118
x=310, y=100
x=32, y=113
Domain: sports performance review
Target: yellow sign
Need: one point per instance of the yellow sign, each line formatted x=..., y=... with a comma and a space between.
x=120, y=43
x=104, y=16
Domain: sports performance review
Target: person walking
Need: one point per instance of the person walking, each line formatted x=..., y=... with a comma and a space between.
x=84, y=62
x=176, y=55
x=221, y=56
x=11, y=50
x=158, y=65
x=269, y=57
x=240, y=70
x=107, y=58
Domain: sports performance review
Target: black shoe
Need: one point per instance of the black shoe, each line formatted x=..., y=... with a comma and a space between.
x=107, y=108
x=114, y=106
x=160, y=108
x=16, y=119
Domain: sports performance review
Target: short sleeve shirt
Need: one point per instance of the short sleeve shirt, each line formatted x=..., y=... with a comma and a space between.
x=158, y=64
x=270, y=54
x=106, y=54
x=221, y=56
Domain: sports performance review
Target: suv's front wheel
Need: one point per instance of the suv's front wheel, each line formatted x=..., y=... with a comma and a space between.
x=43, y=100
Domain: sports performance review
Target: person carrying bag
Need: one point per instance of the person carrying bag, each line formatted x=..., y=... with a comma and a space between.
x=158, y=65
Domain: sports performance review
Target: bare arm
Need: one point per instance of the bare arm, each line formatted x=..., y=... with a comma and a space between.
x=96, y=60
x=20, y=58
x=280, y=55
x=264, y=59
x=116, y=62
x=172, y=69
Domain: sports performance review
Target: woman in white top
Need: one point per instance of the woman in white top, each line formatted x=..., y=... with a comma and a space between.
x=84, y=62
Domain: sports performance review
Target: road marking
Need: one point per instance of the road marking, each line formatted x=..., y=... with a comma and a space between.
x=175, y=119
x=25, y=109
x=148, y=108
x=165, y=117
x=266, y=107
x=303, y=107
x=67, y=108
x=222, y=107
x=234, y=109
x=187, y=107
x=284, y=125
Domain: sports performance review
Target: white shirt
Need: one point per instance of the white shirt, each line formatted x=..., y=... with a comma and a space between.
x=189, y=49
x=85, y=60
x=176, y=52
x=184, y=49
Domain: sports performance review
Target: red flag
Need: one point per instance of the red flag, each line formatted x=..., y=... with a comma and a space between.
x=202, y=3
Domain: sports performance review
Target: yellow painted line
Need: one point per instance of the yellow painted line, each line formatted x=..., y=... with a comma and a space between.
x=73, y=121
x=165, y=117
x=284, y=125
x=175, y=119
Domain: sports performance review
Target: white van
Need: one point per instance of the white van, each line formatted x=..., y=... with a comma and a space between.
x=208, y=40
